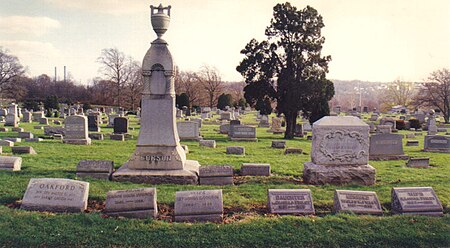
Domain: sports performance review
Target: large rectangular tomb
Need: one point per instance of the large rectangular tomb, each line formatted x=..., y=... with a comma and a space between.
x=339, y=152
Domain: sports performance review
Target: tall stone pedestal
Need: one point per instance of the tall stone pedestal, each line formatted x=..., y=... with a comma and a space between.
x=339, y=153
x=159, y=157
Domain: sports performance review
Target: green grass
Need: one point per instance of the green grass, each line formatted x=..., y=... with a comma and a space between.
x=247, y=223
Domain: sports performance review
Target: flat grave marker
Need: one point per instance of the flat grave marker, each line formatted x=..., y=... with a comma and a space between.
x=199, y=206
x=358, y=202
x=56, y=195
x=290, y=201
x=132, y=203
x=416, y=200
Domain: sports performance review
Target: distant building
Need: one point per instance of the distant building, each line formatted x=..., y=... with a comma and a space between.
x=398, y=109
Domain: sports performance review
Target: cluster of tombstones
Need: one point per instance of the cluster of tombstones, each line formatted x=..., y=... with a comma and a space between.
x=66, y=195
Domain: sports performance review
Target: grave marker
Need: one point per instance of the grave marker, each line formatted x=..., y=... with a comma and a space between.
x=416, y=200
x=76, y=130
x=132, y=203
x=99, y=169
x=10, y=163
x=339, y=152
x=216, y=175
x=56, y=195
x=290, y=201
x=386, y=146
x=199, y=206
x=358, y=202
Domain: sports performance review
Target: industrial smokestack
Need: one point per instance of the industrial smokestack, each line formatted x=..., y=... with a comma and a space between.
x=55, y=74
x=64, y=74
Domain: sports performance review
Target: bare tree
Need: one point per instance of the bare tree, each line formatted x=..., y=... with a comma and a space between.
x=397, y=93
x=236, y=89
x=134, y=86
x=436, y=92
x=10, y=67
x=116, y=67
x=211, y=83
x=188, y=82
x=101, y=91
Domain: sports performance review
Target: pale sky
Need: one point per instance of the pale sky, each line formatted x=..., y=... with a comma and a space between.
x=373, y=40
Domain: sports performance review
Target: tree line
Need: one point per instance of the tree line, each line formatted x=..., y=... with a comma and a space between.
x=119, y=83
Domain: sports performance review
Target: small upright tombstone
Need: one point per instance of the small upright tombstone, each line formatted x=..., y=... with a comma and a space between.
x=290, y=201
x=99, y=169
x=43, y=121
x=416, y=200
x=120, y=125
x=384, y=129
x=23, y=150
x=251, y=169
x=437, y=143
x=216, y=175
x=132, y=203
x=307, y=127
x=224, y=128
x=26, y=117
x=339, y=152
x=389, y=121
x=111, y=120
x=56, y=195
x=431, y=124
x=11, y=118
x=10, y=163
x=418, y=163
x=298, y=130
x=225, y=116
x=386, y=146
x=188, y=130
x=276, y=126
x=264, y=122
x=242, y=133
x=76, y=130
x=37, y=115
x=358, y=202
x=199, y=206
x=93, y=122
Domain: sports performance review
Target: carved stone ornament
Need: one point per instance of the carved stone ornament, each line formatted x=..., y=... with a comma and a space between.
x=343, y=146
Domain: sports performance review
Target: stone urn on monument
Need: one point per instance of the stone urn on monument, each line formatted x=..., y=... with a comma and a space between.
x=159, y=157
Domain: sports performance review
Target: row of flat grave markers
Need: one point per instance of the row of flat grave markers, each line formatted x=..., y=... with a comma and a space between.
x=66, y=195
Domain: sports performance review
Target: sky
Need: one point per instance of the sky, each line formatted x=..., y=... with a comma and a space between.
x=370, y=40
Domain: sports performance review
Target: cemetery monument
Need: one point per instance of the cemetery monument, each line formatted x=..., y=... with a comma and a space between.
x=339, y=152
x=159, y=157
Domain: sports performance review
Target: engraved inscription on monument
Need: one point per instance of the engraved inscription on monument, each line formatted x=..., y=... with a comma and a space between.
x=416, y=200
x=138, y=203
x=358, y=202
x=56, y=195
x=199, y=205
x=343, y=146
x=290, y=201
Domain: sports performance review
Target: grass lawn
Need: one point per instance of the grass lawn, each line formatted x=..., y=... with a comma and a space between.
x=247, y=222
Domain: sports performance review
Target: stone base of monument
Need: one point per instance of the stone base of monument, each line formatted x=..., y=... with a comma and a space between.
x=188, y=175
x=338, y=174
x=77, y=141
x=388, y=157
